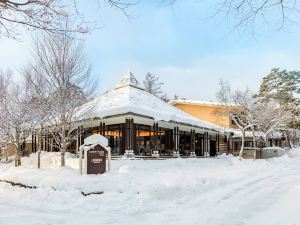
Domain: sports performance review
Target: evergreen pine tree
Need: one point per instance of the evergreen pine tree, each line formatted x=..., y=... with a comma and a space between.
x=282, y=87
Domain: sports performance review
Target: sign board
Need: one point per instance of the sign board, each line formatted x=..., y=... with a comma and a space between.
x=96, y=160
x=96, y=151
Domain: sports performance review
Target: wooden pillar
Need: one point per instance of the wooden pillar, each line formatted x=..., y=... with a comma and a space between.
x=129, y=134
x=206, y=143
x=155, y=136
x=101, y=129
x=193, y=141
x=155, y=131
x=184, y=142
x=176, y=139
x=218, y=143
x=228, y=144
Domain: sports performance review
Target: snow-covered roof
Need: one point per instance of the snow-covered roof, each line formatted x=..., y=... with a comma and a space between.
x=193, y=102
x=129, y=97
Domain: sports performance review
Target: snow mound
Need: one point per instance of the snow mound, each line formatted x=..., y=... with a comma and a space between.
x=96, y=139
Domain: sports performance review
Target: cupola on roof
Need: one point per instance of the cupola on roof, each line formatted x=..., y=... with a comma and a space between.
x=129, y=80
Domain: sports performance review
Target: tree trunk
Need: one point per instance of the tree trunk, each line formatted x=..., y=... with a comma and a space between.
x=39, y=149
x=18, y=147
x=63, y=163
x=242, y=147
x=18, y=156
x=287, y=139
x=64, y=147
x=254, y=144
x=6, y=154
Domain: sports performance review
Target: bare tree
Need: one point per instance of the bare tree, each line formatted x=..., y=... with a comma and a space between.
x=269, y=117
x=153, y=86
x=250, y=113
x=60, y=76
x=240, y=107
x=248, y=13
x=17, y=116
x=47, y=14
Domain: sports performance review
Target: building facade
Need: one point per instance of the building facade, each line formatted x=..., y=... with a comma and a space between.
x=217, y=113
x=135, y=121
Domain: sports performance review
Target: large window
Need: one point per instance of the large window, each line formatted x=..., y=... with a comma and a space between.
x=114, y=135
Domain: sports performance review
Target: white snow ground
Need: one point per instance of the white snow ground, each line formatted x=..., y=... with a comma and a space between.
x=220, y=191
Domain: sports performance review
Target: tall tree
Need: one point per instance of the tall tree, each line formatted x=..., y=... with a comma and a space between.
x=62, y=80
x=283, y=87
x=18, y=115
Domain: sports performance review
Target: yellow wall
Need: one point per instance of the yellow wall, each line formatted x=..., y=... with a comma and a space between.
x=210, y=113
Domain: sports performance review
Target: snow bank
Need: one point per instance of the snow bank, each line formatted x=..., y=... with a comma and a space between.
x=133, y=175
x=218, y=191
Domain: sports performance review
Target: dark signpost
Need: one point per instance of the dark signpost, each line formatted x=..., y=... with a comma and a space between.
x=96, y=160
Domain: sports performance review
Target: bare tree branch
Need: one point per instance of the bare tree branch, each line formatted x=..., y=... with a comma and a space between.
x=47, y=15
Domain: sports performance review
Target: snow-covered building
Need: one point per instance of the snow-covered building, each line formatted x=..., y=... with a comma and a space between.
x=216, y=113
x=135, y=120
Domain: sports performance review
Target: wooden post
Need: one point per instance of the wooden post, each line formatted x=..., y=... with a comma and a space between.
x=32, y=142
x=176, y=140
x=77, y=142
x=218, y=138
x=193, y=144
x=80, y=160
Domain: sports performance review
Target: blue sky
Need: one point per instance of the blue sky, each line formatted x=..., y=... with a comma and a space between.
x=188, y=52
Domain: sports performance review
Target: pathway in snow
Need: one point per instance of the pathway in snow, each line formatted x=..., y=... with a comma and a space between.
x=221, y=191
